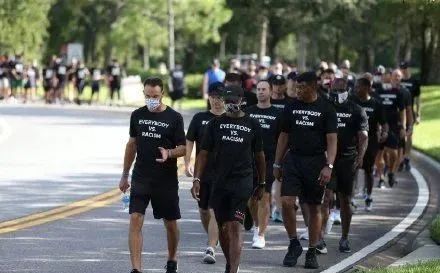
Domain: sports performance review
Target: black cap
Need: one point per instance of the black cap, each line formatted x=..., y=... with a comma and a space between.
x=292, y=76
x=232, y=92
x=307, y=77
x=278, y=80
x=403, y=65
x=215, y=89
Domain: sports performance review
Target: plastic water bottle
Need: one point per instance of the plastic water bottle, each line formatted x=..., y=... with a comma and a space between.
x=125, y=200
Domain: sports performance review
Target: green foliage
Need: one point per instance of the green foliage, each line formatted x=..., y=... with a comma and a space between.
x=427, y=132
x=422, y=267
x=194, y=85
x=435, y=229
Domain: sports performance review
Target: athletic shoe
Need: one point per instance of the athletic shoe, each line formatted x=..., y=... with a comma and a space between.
x=311, y=260
x=368, y=204
x=171, y=267
x=381, y=184
x=321, y=248
x=304, y=235
x=248, y=221
x=135, y=271
x=401, y=165
x=391, y=180
x=277, y=217
x=255, y=230
x=353, y=206
x=337, y=217
x=259, y=243
x=209, y=256
x=344, y=246
x=407, y=163
x=329, y=225
x=294, y=251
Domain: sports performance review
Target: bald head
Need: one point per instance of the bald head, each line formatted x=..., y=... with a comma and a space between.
x=396, y=77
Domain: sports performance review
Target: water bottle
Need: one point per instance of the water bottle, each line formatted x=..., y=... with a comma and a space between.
x=125, y=200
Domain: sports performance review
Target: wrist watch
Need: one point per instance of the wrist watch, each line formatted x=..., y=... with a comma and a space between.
x=196, y=180
x=330, y=166
x=276, y=166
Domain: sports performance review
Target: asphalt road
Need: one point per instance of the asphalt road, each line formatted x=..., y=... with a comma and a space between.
x=55, y=156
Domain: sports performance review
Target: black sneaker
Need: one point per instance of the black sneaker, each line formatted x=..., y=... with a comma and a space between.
x=407, y=163
x=311, y=260
x=248, y=221
x=294, y=251
x=171, y=267
x=391, y=180
x=368, y=204
x=321, y=248
x=381, y=184
x=227, y=268
x=344, y=246
x=135, y=271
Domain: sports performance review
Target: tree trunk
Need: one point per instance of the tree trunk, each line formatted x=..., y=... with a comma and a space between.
x=239, y=42
x=302, y=51
x=222, y=52
x=145, y=56
x=171, y=47
x=397, y=44
x=337, y=53
x=263, y=38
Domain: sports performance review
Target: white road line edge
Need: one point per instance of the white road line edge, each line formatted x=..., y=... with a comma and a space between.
x=5, y=131
x=419, y=207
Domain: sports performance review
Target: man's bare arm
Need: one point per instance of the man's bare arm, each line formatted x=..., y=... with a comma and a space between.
x=130, y=154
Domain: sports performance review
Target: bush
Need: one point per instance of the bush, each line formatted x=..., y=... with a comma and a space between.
x=435, y=229
x=421, y=267
x=194, y=85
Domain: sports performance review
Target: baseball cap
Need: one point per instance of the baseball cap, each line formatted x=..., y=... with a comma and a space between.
x=278, y=80
x=403, y=65
x=232, y=92
x=309, y=76
x=380, y=70
x=292, y=75
x=215, y=89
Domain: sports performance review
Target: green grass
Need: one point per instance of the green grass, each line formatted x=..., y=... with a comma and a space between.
x=427, y=133
x=435, y=229
x=422, y=267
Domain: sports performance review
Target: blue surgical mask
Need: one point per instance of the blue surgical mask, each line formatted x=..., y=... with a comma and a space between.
x=152, y=104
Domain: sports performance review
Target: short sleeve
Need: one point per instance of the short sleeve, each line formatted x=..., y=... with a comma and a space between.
x=257, y=145
x=285, y=123
x=133, y=125
x=208, y=137
x=192, y=130
x=331, y=121
x=179, y=132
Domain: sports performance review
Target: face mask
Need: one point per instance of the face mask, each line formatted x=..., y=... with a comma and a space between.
x=152, y=104
x=377, y=78
x=339, y=97
x=387, y=86
x=325, y=82
x=232, y=107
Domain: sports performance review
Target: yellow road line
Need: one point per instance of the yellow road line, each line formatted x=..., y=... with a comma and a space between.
x=71, y=209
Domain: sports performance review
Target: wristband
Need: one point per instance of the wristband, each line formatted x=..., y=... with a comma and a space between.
x=196, y=180
x=125, y=174
x=276, y=166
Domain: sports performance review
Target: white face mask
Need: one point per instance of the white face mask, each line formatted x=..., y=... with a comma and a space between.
x=339, y=97
x=232, y=107
x=152, y=104
x=387, y=86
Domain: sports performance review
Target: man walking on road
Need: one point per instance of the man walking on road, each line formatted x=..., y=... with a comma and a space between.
x=235, y=140
x=308, y=129
x=269, y=118
x=157, y=139
x=195, y=134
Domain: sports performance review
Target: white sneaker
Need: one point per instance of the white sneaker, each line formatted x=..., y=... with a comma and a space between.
x=256, y=230
x=337, y=217
x=329, y=225
x=209, y=256
x=304, y=235
x=259, y=243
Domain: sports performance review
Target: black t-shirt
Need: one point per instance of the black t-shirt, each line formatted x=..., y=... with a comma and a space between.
x=351, y=119
x=195, y=133
x=61, y=72
x=233, y=142
x=281, y=103
x=154, y=130
x=412, y=85
x=307, y=125
x=406, y=96
x=269, y=119
x=249, y=99
x=375, y=113
x=3, y=70
x=115, y=72
x=392, y=101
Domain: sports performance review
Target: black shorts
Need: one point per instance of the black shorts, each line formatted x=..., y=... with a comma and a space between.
x=114, y=87
x=343, y=175
x=370, y=156
x=230, y=204
x=269, y=176
x=164, y=200
x=176, y=95
x=205, y=194
x=393, y=139
x=60, y=85
x=402, y=143
x=95, y=86
x=300, y=177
